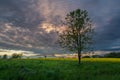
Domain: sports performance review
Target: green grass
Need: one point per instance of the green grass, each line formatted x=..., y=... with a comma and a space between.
x=60, y=69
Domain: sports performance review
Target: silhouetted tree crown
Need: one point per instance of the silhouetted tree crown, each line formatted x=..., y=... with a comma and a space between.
x=78, y=33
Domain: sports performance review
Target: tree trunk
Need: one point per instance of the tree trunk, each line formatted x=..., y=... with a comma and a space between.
x=79, y=47
x=79, y=56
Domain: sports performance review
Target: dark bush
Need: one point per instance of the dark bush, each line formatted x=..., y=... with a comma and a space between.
x=5, y=56
x=15, y=55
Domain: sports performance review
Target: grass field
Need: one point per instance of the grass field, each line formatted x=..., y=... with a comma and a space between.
x=60, y=69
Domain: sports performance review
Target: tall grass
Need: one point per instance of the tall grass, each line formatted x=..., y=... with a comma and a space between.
x=60, y=69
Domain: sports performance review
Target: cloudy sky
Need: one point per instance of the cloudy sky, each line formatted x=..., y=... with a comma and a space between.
x=31, y=24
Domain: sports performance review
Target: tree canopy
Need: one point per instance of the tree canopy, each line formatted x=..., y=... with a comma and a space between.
x=78, y=33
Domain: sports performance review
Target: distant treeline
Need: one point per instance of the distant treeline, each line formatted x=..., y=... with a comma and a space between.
x=113, y=55
x=13, y=56
x=109, y=55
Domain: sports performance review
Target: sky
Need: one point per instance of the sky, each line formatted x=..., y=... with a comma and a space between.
x=30, y=24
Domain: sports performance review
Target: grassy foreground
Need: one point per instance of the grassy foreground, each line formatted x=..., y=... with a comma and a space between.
x=60, y=69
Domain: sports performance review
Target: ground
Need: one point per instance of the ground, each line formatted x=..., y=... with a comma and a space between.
x=60, y=69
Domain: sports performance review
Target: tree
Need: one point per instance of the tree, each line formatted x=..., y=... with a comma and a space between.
x=5, y=56
x=15, y=55
x=78, y=34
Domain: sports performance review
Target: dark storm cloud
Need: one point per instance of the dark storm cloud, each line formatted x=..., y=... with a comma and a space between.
x=21, y=22
x=105, y=16
x=109, y=35
x=18, y=13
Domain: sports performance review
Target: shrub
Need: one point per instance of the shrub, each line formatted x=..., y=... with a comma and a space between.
x=15, y=55
x=5, y=56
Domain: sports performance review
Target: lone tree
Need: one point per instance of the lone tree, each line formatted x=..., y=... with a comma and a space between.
x=78, y=33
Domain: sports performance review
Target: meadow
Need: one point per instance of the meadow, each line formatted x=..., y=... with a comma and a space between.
x=60, y=69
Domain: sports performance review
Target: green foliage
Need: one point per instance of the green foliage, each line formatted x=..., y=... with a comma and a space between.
x=60, y=69
x=15, y=55
x=78, y=33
